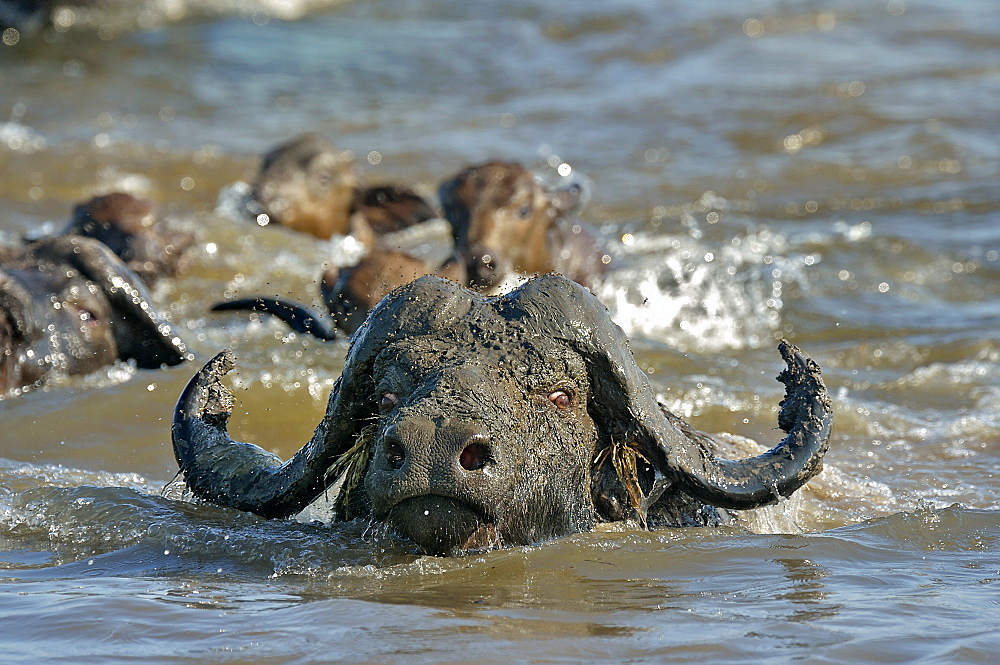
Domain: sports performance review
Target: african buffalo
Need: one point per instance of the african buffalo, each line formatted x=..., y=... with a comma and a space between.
x=505, y=220
x=308, y=185
x=129, y=227
x=69, y=305
x=463, y=422
x=350, y=293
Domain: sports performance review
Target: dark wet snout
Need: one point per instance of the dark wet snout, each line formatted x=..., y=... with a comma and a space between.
x=487, y=267
x=445, y=452
x=431, y=482
x=417, y=456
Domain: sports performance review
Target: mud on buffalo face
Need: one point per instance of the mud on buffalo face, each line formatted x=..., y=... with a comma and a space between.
x=463, y=421
x=447, y=469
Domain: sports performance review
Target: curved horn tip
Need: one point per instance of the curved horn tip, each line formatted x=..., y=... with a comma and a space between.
x=205, y=396
x=796, y=359
x=804, y=388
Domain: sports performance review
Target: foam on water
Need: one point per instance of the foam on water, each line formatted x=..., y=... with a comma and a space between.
x=695, y=294
x=20, y=138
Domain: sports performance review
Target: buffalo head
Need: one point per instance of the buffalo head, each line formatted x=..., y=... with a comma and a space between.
x=129, y=227
x=308, y=185
x=68, y=304
x=502, y=217
x=465, y=421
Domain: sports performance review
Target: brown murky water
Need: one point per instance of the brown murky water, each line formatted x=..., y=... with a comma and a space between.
x=821, y=171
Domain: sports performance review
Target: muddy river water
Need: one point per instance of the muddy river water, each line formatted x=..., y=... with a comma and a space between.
x=822, y=171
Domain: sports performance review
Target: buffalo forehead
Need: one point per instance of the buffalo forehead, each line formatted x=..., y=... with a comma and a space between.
x=533, y=361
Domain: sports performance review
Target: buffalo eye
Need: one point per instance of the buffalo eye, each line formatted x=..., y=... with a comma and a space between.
x=561, y=399
x=388, y=401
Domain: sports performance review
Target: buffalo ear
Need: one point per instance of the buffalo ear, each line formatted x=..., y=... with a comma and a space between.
x=624, y=406
x=140, y=333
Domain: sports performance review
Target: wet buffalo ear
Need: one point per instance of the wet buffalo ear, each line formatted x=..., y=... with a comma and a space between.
x=625, y=409
x=140, y=333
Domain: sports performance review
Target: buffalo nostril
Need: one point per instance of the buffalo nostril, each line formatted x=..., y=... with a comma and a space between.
x=395, y=454
x=474, y=456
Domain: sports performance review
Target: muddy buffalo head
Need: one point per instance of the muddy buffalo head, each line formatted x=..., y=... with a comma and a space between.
x=501, y=216
x=129, y=227
x=69, y=305
x=463, y=421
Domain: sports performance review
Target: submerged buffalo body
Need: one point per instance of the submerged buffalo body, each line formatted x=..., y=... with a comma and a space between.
x=465, y=421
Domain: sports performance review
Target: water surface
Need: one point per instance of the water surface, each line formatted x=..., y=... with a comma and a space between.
x=820, y=171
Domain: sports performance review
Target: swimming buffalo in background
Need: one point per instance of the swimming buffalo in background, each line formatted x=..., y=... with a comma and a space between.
x=463, y=421
x=348, y=293
x=505, y=220
x=504, y=223
x=308, y=185
x=129, y=227
x=69, y=305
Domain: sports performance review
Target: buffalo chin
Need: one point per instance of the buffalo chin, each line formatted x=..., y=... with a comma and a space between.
x=441, y=525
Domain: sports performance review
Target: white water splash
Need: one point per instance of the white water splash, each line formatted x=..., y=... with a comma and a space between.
x=693, y=296
x=21, y=138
